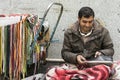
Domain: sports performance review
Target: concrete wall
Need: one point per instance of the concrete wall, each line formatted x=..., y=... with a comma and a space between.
x=106, y=10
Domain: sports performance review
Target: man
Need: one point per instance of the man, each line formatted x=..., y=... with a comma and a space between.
x=86, y=39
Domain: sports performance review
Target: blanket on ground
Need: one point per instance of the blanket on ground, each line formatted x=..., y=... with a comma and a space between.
x=98, y=72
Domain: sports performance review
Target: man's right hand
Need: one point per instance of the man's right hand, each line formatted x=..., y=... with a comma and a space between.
x=80, y=59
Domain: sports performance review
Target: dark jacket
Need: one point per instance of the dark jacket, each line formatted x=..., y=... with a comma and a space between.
x=98, y=40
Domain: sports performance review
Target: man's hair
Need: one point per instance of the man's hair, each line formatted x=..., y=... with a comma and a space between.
x=86, y=12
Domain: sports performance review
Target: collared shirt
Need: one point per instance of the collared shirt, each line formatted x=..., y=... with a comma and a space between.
x=85, y=35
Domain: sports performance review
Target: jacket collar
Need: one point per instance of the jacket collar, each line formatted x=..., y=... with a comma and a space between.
x=96, y=28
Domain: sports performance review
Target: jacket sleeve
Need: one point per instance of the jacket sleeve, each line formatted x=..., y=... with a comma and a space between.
x=107, y=44
x=66, y=51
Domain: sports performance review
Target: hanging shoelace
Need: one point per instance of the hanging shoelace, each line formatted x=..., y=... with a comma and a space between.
x=0, y=50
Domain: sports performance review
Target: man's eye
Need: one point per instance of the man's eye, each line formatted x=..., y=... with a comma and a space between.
x=90, y=21
x=84, y=21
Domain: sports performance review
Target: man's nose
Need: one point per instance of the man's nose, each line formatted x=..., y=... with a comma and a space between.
x=87, y=24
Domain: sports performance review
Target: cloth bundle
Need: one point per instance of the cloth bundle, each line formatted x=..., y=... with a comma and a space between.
x=115, y=71
x=98, y=72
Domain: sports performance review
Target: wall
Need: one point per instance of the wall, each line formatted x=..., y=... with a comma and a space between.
x=106, y=10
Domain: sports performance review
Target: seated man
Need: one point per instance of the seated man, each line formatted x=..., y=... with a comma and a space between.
x=86, y=39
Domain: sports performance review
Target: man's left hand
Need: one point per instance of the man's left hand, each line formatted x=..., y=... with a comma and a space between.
x=97, y=54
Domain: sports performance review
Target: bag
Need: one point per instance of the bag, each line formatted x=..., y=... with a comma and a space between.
x=103, y=58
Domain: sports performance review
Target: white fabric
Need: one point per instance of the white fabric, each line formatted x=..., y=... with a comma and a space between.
x=9, y=20
x=86, y=34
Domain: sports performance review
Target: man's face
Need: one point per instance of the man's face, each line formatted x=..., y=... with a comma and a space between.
x=86, y=24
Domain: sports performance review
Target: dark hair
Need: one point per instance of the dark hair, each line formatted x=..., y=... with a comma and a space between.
x=85, y=12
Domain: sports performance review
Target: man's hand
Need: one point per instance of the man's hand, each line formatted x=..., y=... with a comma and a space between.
x=80, y=59
x=97, y=54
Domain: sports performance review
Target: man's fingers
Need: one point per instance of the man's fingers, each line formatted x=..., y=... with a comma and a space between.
x=97, y=54
x=81, y=59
